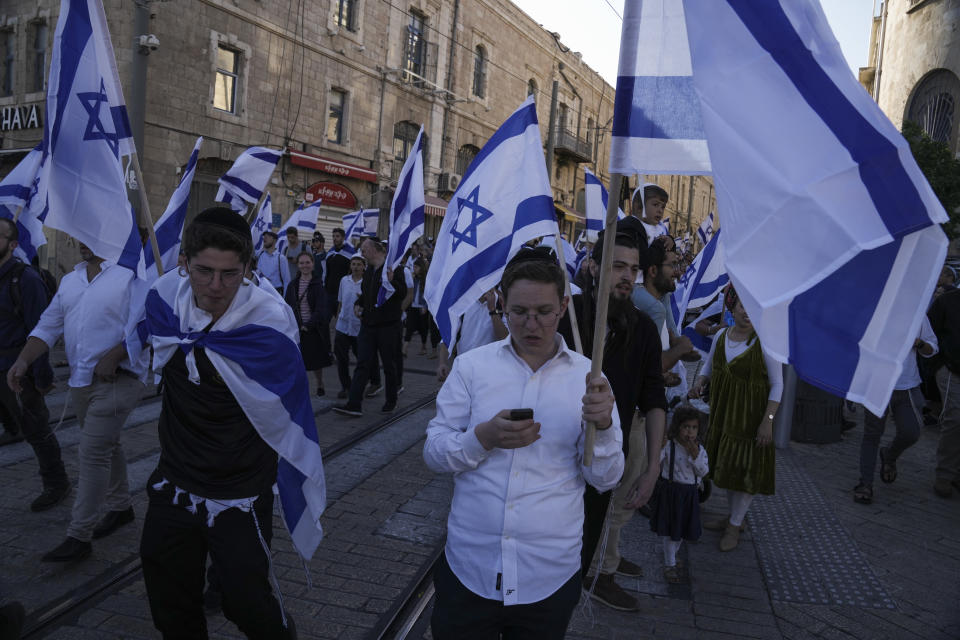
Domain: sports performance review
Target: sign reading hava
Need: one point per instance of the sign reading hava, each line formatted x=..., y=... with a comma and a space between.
x=17, y=117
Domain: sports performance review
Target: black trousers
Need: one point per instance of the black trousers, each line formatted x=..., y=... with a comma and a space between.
x=594, y=512
x=174, y=550
x=32, y=418
x=460, y=614
x=342, y=346
x=376, y=341
x=417, y=322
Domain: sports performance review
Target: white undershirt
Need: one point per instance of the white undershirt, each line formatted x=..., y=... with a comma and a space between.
x=733, y=349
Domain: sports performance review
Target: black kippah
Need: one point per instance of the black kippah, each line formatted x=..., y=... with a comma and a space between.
x=629, y=226
x=226, y=218
x=528, y=254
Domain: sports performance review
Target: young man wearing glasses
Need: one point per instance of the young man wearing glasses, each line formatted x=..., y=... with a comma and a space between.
x=91, y=310
x=512, y=558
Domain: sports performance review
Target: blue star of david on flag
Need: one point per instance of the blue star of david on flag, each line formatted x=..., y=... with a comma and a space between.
x=91, y=101
x=478, y=216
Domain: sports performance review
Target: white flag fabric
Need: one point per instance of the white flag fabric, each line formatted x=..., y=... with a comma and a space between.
x=595, y=201
x=702, y=280
x=254, y=348
x=244, y=182
x=17, y=190
x=657, y=126
x=407, y=217
x=81, y=180
x=261, y=223
x=307, y=217
x=169, y=228
x=705, y=230
x=503, y=200
x=830, y=230
x=361, y=224
x=570, y=255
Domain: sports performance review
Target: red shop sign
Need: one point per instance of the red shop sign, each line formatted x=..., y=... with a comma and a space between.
x=332, y=195
x=334, y=167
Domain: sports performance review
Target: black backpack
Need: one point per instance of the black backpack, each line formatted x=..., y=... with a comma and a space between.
x=16, y=288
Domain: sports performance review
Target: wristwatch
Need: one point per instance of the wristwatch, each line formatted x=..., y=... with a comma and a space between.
x=770, y=417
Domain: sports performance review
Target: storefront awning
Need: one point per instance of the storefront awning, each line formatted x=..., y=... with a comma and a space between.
x=569, y=214
x=333, y=167
x=435, y=206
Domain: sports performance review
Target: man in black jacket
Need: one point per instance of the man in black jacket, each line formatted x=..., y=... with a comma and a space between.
x=380, y=329
x=944, y=315
x=632, y=365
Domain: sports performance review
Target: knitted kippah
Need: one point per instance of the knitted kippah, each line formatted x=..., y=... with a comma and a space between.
x=226, y=218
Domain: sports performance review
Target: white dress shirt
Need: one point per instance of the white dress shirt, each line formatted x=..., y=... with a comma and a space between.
x=347, y=320
x=93, y=317
x=516, y=519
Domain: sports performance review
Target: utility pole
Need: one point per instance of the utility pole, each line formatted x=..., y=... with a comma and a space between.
x=552, y=133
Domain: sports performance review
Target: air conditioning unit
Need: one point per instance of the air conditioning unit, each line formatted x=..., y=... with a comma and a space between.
x=449, y=182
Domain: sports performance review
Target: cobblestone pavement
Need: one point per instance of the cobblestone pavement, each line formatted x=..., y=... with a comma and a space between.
x=813, y=564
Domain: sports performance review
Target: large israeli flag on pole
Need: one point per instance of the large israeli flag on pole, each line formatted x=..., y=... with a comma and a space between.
x=702, y=280
x=705, y=230
x=407, y=216
x=830, y=230
x=261, y=223
x=244, y=182
x=81, y=179
x=657, y=126
x=503, y=201
x=307, y=217
x=169, y=228
x=595, y=197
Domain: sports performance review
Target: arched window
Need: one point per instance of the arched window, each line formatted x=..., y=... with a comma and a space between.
x=934, y=105
x=480, y=72
x=465, y=156
x=404, y=136
x=590, y=132
x=532, y=88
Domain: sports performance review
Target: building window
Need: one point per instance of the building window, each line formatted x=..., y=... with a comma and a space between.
x=225, y=87
x=934, y=105
x=337, y=100
x=581, y=201
x=415, y=51
x=532, y=88
x=404, y=137
x=37, y=56
x=346, y=16
x=465, y=156
x=590, y=126
x=480, y=72
x=8, y=49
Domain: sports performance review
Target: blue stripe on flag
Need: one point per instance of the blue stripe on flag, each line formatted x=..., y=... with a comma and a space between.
x=18, y=191
x=75, y=37
x=272, y=158
x=121, y=123
x=892, y=191
x=515, y=125
x=531, y=210
x=242, y=185
x=828, y=320
x=293, y=502
x=665, y=107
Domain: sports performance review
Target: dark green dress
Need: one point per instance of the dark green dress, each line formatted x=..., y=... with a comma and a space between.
x=738, y=400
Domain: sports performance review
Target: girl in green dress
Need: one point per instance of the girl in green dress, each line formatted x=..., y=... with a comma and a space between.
x=745, y=390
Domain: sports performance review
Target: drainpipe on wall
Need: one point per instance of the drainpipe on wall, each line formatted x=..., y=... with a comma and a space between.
x=448, y=98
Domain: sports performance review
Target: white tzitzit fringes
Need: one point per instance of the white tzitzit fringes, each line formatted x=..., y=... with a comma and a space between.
x=586, y=606
x=273, y=575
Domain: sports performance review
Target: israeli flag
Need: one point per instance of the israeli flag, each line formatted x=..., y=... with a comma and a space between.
x=831, y=231
x=570, y=255
x=307, y=217
x=81, y=179
x=17, y=191
x=701, y=342
x=261, y=223
x=595, y=197
x=361, y=224
x=657, y=126
x=702, y=280
x=254, y=347
x=244, y=182
x=30, y=232
x=169, y=228
x=705, y=230
x=503, y=200
x=407, y=216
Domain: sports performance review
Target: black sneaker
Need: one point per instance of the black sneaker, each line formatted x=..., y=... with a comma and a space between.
x=112, y=521
x=11, y=620
x=69, y=550
x=629, y=569
x=389, y=407
x=608, y=592
x=51, y=497
x=373, y=390
x=347, y=410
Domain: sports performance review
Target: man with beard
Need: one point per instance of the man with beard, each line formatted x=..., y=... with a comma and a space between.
x=23, y=297
x=632, y=365
x=91, y=310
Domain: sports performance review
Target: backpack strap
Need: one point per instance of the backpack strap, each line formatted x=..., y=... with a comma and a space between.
x=15, y=275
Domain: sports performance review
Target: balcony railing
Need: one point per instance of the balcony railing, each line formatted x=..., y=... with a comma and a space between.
x=569, y=144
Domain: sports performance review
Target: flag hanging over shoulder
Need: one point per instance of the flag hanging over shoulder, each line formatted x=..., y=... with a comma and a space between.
x=503, y=200
x=596, y=199
x=830, y=230
x=406, y=214
x=244, y=182
x=657, y=126
x=81, y=179
x=169, y=228
x=261, y=223
x=702, y=280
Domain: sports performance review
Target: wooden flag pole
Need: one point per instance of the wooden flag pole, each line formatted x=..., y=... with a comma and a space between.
x=603, y=300
x=574, y=323
x=145, y=212
x=16, y=214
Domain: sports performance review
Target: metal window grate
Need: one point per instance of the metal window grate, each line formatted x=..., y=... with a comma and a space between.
x=934, y=105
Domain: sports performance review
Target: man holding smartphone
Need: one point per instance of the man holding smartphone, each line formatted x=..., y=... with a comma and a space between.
x=510, y=424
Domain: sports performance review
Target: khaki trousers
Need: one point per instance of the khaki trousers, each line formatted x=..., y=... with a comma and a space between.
x=102, y=408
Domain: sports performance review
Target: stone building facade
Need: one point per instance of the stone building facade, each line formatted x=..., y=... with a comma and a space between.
x=913, y=69
x=344, y=85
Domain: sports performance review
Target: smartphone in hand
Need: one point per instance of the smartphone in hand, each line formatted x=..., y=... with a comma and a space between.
x=521, y=414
